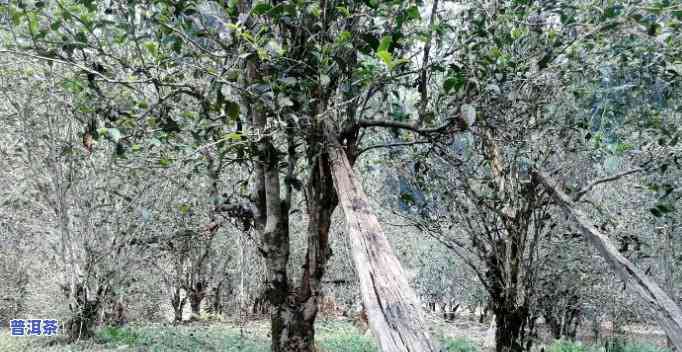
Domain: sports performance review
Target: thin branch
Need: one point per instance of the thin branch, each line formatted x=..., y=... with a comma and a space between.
x=91, y=71
x=591, y=185
x=407, y=126
x=423, y=90
x=391, y=145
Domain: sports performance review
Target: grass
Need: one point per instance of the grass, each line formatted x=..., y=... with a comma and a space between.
x=340, y=336
x=151, y=338
x=612, y=345
x=331, y=336
x=459, y=345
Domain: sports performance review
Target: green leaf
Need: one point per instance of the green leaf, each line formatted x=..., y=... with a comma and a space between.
x=33, y=24
x=165, y=162
x=343, y=11
x=386, y=57
x=314, y=9
x=613, y=11
x=517, y=33
x=344, y=37
x=385, y=43
x=412, y=13
x=665, y=208
x=55, y=25
x=184, y=208
x=152, y=47
x=73, y=86
x=234, y=136
x=453, y=83
x=232, y=110
x=16, y=16
x=261, y=8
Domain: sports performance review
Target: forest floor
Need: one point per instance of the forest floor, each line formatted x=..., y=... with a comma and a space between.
x=333, y=334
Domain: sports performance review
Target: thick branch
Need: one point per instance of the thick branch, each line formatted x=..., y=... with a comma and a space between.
x=668, y=314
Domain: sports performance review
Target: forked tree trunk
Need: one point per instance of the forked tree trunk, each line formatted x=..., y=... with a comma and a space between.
x=393, y=309
x=81, y=325
x=297, y=332
x=668, y=314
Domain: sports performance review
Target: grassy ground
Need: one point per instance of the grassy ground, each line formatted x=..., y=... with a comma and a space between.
x=332, y=336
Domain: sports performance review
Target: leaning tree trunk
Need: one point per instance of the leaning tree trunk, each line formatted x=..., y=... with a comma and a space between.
x=668, y=314
x=393, y=310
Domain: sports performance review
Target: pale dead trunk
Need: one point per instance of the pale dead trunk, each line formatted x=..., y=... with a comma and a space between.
x=393, y=310
x=668, y=265
x=668, y=314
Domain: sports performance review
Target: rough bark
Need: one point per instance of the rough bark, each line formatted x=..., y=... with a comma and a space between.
x=295, y=317
x=506, y=253
x=510, y=328
x=393, y=309
x=668, y=314
x=321, y=201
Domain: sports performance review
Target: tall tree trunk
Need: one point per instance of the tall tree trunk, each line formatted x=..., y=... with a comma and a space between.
x=295, y=319
x=505, y=290
x=178, y=305
x=668, y=314
x=393, y=309
x=275, y=239
x=510, y=323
